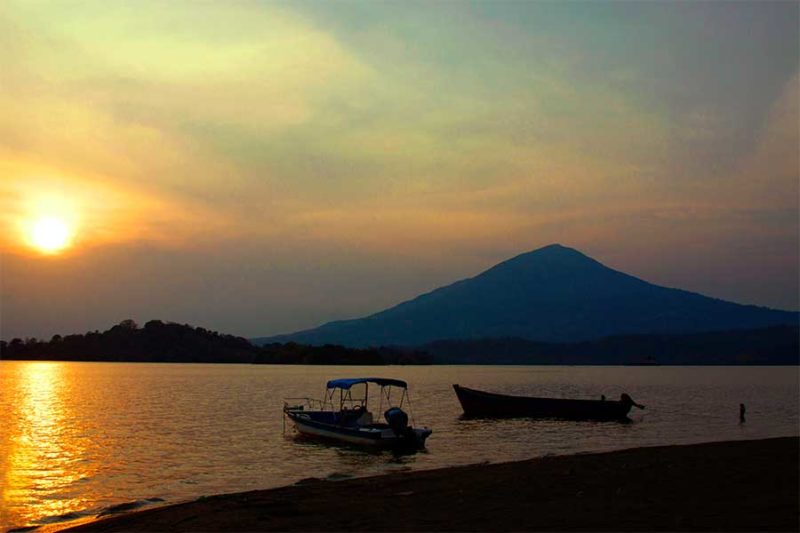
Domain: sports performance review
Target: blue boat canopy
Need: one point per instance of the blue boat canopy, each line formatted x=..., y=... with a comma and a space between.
x=346, y=383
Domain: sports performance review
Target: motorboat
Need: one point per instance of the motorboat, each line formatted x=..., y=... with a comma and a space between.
x=477, y=403
x=343, y=414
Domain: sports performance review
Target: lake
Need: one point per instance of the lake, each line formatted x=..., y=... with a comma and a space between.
x=78, y=438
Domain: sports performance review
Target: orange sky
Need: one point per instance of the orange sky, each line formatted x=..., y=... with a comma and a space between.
x=263, y=167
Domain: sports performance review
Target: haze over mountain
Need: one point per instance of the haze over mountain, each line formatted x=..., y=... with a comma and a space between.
x=553, y=294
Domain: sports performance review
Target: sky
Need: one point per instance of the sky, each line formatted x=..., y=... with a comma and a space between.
x=262, y=167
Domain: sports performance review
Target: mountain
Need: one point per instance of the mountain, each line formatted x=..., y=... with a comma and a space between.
x=553, y=294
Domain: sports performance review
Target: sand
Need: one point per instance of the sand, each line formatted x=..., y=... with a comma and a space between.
x=725, y=486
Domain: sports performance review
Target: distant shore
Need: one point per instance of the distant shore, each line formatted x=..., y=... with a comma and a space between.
x=166, y=342
x=723, y=486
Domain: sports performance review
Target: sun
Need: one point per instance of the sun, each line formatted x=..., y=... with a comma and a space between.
x=50, y=235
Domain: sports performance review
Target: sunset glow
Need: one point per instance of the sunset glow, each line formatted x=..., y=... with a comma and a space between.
x=564, y=204
x=50, y=235
x=258, y=155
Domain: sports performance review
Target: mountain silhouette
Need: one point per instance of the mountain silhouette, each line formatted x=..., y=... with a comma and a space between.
x=553, y=294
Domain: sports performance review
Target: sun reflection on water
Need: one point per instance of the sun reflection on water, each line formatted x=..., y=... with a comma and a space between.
x=79, y=438
x=38, y=465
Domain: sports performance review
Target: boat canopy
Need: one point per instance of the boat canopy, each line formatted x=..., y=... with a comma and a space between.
x=346, y=383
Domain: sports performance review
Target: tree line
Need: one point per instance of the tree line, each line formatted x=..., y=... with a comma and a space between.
x=169, y=342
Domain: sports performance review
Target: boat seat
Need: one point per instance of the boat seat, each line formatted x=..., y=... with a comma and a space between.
x=355, y=417
x=365, y=419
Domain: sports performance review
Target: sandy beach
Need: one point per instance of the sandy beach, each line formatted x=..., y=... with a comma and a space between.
x=724, y=486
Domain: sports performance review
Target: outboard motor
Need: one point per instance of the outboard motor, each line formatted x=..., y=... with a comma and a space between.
x=397, y=420
x=625, y=399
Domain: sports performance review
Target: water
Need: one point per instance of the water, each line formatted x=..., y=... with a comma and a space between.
x=78, y=438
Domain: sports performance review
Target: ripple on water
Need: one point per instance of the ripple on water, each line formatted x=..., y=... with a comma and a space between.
x=77, y=439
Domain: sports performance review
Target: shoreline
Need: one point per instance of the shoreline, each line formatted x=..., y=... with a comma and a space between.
x=731, y=485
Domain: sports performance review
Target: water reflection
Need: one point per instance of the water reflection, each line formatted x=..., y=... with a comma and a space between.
x=39, y=465
x=86, y=437
x=349, y=460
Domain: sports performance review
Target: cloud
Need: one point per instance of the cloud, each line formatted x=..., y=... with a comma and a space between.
x=771, y=171
x=112, y=110
x=409, y=135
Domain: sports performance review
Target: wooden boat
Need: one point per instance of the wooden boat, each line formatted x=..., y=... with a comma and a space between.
x=478, y=403
x=347, y=418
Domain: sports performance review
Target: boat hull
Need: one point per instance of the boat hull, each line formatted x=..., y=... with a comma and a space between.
x=482, y=404
x=362, y=436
